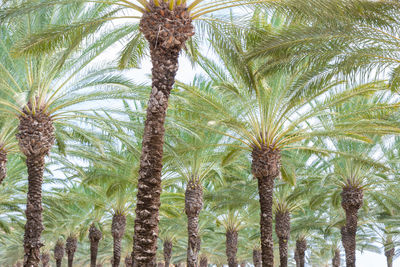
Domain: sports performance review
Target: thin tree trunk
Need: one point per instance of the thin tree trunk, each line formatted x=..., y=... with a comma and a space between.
x=231, y=247
x=3, y=163
x=70, y=248
x=35, y=137
x=389, y=253
x=300, y=253
x=352, y=200
x=128, y=261
x=59, y=253
x=257, y=258
x=45, y=258
x=94, y=236
x=166, y=31
x=167, y=252
x=282, y=229
x=266, y=167
x=336, y=259
x=118, y=231
x=203, y=261
x=193, y=206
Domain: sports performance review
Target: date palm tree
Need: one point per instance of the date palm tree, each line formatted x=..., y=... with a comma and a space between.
x=7, y=145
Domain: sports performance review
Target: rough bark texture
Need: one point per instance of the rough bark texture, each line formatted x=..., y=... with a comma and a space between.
x=117, y=230
x=35, y=137
x=389, y=253
x=167, y=249
x=266, y=167
x=178, y=264
x=282, y=229
x=203, y=261
x=70, y=248
x=257, y=258
x=231, y=247
x=59, y=253
x=3, y=163
x=166, y=31
x=45, y=258
x=336, y=259
x=300, y=252
x=128, y=261
x=193, y=206
x=352, y=200
x=94, y=236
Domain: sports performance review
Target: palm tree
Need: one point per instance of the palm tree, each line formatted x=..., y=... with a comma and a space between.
x=70, y=247
x=118, y=230
x=336, y=258
x=59, y=252
x=7, y=145
x=95, y=236
x=301, y=247
x=232, y=224
x=45, y=259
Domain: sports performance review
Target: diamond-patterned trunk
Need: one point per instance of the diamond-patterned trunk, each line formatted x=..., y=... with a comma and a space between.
x=94, y=236
x=352, y=200
x=35, y=137
x=336, y=259
x=70, y=248
x=231, y=247
x=117, y=230
x=266, y=167
x=203, y=261
x=166, y=31
x=167, y=249
x=282, y=229
x=3, y=163
x=300, y=252
x=128, y=261
x=59, y=253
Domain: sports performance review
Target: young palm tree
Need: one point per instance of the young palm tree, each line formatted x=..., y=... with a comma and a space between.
x=232, y=224
x=59, y=252
x=70, y=247
x=7, y=145
x=299, y=254
x=95, y=236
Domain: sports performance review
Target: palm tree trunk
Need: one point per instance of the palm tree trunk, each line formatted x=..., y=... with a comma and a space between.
x=389, y=253
x=336, y=259
x=59, y=253
x=94, y=236
x=128, y=261
x=266, y=167
x=257, y=258
x=35, y=137
x=166, y=31
x=282, y=229
x=203, y=261
x=300, y=253
x=118, y=230
x=167, y=252
x=3, y=163
x=352, y=199
x=193, y=206
x=70, y=248
x=45, y=259
x=231, y=247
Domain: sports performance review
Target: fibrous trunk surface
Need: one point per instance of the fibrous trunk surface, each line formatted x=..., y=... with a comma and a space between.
x=203, y=261
x=352, y=200
x=3, y=163
x=389, y=253
x=128, y=261
x=59, y=253
x=70, y=248
x=167, y=249
x=257, y=258
x=300, y=253
x=282, y=229
x=45, y=258
x=117, y=230
x=166, y=31
x=193, y=206
x=336, y=259
x=94, y=236
x=231, y=247
x=266, y=167
x=35, y=137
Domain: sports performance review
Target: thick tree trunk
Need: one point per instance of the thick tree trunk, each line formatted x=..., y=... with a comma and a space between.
x=117, y=230
x=352, y=200
x=128, y=261
x=336, y=259
x=3, y=163
x=193, y=206
x=257, y=258
x=166, y=31
x=94, y=236
x=45, y=259
x=59, y=253
x=167, y=252
x=203, y=261
x=389, y=253
x=300, y=253
x=266, y=167
x=231, y=247
x=35, y=137
x=70, y=248
x=282, y=229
